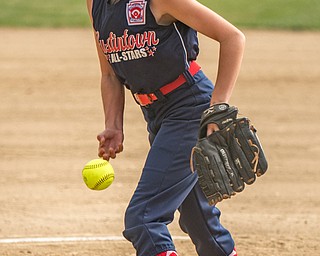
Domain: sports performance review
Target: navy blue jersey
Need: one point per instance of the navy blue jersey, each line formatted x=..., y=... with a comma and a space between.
x=144, y=55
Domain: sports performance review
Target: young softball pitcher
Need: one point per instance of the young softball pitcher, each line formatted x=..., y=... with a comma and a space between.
x=150, y=47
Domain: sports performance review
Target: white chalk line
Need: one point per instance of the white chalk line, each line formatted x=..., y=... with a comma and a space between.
x=69, y=239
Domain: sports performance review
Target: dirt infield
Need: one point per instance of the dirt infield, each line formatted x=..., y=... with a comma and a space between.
x=50, y=113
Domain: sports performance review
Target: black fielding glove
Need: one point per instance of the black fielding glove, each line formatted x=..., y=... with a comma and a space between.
x=227, y=159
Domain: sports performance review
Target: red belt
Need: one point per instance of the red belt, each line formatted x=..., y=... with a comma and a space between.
x=147, y=99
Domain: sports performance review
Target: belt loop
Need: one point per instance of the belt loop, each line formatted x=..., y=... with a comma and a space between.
x=189, y=77
x=134, y=98
x=160, y=96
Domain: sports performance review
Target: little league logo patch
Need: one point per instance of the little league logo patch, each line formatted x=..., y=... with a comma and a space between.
x=136, y=12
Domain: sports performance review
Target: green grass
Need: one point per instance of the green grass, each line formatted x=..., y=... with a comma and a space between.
x=270, y=14
x=282, y=14
x=43, y=13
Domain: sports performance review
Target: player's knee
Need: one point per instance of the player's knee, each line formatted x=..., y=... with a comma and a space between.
x=132, y=219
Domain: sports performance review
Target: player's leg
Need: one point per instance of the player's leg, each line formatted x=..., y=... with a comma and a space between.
x=162, y=188
x=201, y=222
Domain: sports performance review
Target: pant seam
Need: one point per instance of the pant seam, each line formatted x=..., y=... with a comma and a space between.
x=206, y=224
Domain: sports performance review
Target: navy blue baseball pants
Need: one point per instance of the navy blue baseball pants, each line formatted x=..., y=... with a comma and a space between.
x=167, y=183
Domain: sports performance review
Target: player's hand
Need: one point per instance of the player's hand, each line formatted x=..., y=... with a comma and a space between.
x=212, y=128
x=110, y=143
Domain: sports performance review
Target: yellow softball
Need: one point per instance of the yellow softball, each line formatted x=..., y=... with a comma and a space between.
x=98, y=174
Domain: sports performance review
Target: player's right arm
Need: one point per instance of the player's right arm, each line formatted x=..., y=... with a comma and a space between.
x=112, y=92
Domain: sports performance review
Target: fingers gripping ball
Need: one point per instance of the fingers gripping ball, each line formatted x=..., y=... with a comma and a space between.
x=98, y=174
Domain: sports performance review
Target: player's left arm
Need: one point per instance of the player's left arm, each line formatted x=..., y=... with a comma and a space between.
x=209, y=23
x=212, y=25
